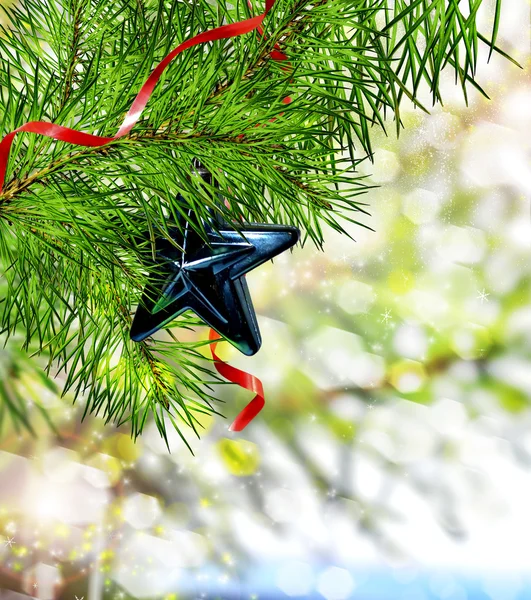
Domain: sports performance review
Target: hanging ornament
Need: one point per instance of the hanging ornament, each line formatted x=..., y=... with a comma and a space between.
x=261, y=246
x=209, y=278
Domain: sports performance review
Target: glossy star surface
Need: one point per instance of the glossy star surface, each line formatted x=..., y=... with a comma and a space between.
x=209, y=279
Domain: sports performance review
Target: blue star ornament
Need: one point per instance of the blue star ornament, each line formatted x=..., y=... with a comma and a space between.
x=209, y=279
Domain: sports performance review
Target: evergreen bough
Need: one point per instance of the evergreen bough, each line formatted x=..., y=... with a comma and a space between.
x=78, y=225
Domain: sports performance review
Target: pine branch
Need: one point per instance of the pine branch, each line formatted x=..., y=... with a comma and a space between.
x=78, y=226
x=75, y=11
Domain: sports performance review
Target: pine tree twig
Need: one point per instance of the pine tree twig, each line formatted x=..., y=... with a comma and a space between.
x=73, y=221
x=263, y=58
x=74, y=52
x=17, y=186
x=145, y=351
x=140, y=6
x=308, y=190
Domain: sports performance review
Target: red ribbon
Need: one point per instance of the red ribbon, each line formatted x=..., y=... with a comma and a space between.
x=244, y=380
x=79, y=138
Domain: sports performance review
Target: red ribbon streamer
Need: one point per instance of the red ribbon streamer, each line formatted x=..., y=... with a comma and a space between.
x=244, y=380
x=79, y=138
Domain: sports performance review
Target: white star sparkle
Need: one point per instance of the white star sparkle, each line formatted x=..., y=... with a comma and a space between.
x=482, y=295
x=386, y=316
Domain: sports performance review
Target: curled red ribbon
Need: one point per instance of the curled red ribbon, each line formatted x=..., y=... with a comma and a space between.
x=244, y=380
x=79, y=138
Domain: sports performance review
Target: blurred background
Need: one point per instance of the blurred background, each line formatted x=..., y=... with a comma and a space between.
x=393, y=458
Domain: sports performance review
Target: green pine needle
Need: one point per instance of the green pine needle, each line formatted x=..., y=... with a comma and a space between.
x=78, y=225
